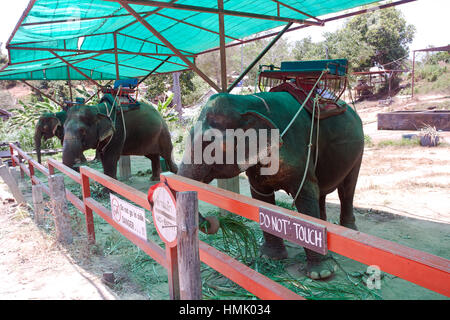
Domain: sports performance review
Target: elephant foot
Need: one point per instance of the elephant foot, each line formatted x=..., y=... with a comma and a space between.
x=275, y=252
x=154, y=178
x=320, y=269
x=350, y=225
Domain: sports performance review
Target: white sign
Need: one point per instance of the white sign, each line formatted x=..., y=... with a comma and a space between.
x=130, y=217
x=165, y=214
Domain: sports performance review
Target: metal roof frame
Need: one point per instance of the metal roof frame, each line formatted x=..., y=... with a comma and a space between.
x=187, y=58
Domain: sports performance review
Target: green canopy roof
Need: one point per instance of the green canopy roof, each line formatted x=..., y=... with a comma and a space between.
x=109, y=39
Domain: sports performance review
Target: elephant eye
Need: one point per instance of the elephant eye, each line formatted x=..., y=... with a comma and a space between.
x=82, y=131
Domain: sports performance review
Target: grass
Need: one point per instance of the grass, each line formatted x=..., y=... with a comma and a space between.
x=398, y=143
x=238, y=237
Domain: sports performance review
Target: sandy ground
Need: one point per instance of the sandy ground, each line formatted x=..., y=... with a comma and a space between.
x=403, y=195
x=34, y=266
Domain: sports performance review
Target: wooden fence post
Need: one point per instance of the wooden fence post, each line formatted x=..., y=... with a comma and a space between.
x=125, y=167
x=12, y=184
x=15, y=172
x=188, y=246
x=38, y=203
x=231, y=184
x=60, y=210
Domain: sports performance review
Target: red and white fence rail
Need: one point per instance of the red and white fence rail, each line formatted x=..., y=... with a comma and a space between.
x=424, y=269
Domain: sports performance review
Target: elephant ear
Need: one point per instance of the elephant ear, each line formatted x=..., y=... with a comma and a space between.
x=55, y=124
x=105, y=128
x=256, y=120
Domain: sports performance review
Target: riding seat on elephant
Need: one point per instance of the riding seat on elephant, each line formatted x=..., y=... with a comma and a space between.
x=115, y=130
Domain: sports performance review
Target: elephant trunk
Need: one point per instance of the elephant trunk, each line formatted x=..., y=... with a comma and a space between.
x=72, y=151
x=37, y=143
x=208, y=225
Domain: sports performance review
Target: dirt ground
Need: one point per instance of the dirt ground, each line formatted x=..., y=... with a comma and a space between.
x=403, y=195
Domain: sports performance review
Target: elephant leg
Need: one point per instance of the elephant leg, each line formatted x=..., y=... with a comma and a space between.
x=273, y=246
x=346, y=192
x=109, y=162
x=322, y=207
x=318, y=266
x=83, y=158
x=156, y=166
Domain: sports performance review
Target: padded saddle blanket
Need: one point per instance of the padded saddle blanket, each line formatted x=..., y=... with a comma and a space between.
x=127, y=105
x=327, y=110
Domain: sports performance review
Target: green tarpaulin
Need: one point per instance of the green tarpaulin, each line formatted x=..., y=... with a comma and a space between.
x=89, y=34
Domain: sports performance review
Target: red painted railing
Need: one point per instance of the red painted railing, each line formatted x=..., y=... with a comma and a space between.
x=427, y=270
x=247, y=278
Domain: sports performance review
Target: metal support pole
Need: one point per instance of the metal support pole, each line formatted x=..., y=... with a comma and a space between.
x=259, y=57
x=223, y=55
x=412, y=76
x=42, y=93
x=116, y=56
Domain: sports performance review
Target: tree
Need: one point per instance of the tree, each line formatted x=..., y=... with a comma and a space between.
x=386, y=31
x=380, y=36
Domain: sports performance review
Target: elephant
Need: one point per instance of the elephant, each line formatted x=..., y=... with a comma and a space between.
x=51, y=125
x=136, y=131
x=338, y=150
x=48, y=126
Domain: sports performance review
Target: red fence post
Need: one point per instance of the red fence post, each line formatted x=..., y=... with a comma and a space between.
x=86, y=190
x=11, y=149
x=31, y=168
x=51, y=169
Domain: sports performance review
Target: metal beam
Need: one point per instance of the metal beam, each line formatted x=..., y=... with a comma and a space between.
x=169, y=45
x=76, y=69
x=42, y=93
x=298, y=11
x=215, y=11
x=109, y=51
x=144, y=16
x=338, y=17
x=153, y=71
x=116, y=57
x=154, y=43
x=251, y=65
x=194, y=26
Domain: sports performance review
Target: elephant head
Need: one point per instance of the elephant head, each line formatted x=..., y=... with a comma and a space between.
x=231, y=135
x=85, y=128
x=48, y=126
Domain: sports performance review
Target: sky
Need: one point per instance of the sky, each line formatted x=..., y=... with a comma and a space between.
x=429, y=16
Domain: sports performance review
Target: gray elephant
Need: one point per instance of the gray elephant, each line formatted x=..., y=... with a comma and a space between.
x=48, y=126
x=339, y=150
x=141, y=131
